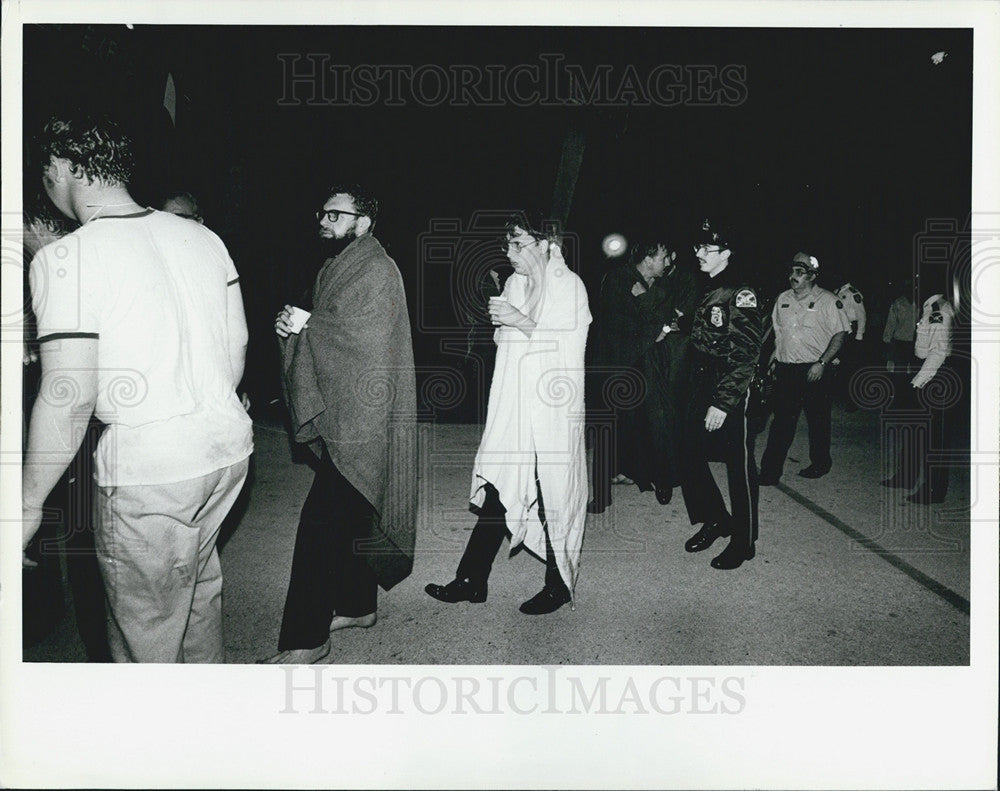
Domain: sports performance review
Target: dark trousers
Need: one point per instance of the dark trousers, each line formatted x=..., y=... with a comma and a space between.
x=639, y=440
x=487, y=538
x=793, y=394
x=732, y=444
x=850, y=359
x=71, y=508
x=82, y=569
x=329, y=576
x=919, y=437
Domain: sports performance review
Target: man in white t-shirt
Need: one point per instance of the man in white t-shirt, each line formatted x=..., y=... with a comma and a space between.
x=140, y=322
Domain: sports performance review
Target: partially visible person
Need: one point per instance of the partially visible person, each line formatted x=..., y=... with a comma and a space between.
x=725, y=348
x=69, y=505
x=636, y=334
x=900, y=327
x=809, y=328
x=349, y=384
x=529, y=479
x=143, y=326
x=931, y=350
x=183, y=204
x=849, y=356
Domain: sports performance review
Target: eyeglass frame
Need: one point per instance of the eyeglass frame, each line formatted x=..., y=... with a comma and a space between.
x=518, y=246
x=327, y=212
x=718, y=247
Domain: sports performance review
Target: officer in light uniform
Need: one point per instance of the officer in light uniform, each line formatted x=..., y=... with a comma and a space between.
x=809, y=327
x=849, y=355
x=726, y=335
x=854, y=307
x=931, y=349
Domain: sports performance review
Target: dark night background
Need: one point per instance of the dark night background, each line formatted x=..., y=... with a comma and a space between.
x=848, y=142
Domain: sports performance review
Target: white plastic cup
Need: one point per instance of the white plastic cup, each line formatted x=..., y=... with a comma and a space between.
x=298, y=319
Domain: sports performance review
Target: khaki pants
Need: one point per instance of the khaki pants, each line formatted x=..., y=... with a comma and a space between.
x=156, y=550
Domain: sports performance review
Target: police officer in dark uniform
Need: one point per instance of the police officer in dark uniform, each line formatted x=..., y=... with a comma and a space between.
x=723, y=354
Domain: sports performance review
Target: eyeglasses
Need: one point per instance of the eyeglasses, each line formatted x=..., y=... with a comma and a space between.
x=707, y=248
x=518, y=246
x=332, y=215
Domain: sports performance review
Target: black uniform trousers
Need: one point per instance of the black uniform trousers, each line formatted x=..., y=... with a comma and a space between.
x=487, y=538
x=330, y=575
x=792, y=394
x=927, y=432
x=732, y=443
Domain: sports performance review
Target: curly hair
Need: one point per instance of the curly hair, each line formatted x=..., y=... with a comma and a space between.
x=364, y=201
x=95, y=145
x=536, y=224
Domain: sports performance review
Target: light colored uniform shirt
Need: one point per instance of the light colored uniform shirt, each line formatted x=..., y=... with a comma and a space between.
x=933, y=338
x=152, y=290
x=803, y=327
x=901, y=321
x=854, y=307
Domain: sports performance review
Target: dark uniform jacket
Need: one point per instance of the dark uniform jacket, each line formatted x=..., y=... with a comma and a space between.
x=726, y=337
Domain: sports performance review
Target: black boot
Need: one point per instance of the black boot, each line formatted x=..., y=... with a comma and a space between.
x=548, y=599
x=732, y=556
x=705, y=537
x=458, y=590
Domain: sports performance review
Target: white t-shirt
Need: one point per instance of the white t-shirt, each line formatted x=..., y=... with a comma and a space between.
x=152, y=288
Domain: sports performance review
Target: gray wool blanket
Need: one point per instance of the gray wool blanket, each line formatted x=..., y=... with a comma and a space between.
x=349, y=383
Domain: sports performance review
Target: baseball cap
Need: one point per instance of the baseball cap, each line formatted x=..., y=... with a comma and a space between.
x=808, y=261
x=714, y=233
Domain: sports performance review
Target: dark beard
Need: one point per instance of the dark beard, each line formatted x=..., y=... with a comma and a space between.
x=334, y=247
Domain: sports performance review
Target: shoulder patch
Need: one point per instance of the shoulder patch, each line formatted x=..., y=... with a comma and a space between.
x=745, y=298
x=840, y=305
x=936, y=318
x=857, y=297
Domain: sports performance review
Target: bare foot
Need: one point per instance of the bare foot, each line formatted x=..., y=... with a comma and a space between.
x=343, y=622
x=298, y=656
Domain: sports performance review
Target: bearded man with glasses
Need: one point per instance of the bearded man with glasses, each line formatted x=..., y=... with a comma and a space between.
x=349, y=384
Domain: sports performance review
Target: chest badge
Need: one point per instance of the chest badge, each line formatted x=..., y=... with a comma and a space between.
x=716, y=317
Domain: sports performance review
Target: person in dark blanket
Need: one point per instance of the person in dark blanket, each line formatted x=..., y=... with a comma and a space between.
x=635, y=359
x=349, y=383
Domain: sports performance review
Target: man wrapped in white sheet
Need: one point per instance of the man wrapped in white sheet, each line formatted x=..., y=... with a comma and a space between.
x=529, y=477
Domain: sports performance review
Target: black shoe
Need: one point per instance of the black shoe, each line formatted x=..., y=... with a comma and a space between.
x=812, y=471
x=458, y=590
x=768, y=480
x=732, y=557
x=663, y=494
x=895, y=482
x=705, y=537
x=924, y=496
x=595, y=507
x=546, y=600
